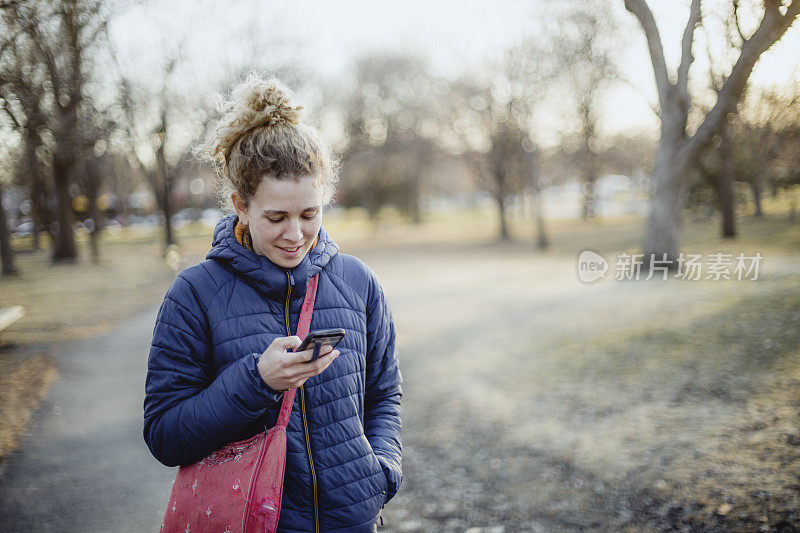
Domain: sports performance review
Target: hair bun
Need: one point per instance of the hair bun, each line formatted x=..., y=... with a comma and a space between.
x=255, y=102
x=264, y=103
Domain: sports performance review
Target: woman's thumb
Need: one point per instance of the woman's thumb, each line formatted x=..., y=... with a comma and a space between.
x=287, y=343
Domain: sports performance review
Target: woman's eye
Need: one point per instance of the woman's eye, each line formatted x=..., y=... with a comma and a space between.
x=274, y=220
x=310, y=216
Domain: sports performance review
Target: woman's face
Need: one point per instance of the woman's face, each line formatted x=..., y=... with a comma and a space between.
x=284, y=216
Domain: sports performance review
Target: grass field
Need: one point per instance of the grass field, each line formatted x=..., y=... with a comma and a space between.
x=532, y=401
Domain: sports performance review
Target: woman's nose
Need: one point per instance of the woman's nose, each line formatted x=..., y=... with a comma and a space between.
x=293, y=232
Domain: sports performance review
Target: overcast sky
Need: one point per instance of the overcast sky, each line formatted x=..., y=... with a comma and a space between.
x=454, y=34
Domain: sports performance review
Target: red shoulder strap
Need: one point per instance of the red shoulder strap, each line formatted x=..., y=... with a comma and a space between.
x=303, y=325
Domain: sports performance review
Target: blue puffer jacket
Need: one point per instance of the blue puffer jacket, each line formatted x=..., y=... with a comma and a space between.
x=203, y=389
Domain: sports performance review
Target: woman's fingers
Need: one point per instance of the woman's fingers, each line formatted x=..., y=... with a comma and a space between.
x=305, y=370
x=295, y=368
x=318, y=366
x=281, y=370
x=285, y=343
x=306, y=355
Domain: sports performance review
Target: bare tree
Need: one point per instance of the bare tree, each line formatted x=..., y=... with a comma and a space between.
x=719, y=162
x=678, y=150
x=586, y=45
x=146, y=142
x=162, y=113
x=752, y=147
x=44, y=91
x=91, y=177
x=768, y=142
x=494, y=119
x=22, y=97
x=390, y=126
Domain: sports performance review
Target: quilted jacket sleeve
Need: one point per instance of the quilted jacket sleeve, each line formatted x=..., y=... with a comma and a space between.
x=188, y=413
x=383, y=388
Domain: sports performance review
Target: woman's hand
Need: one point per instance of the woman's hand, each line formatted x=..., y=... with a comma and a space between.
x=282, y=370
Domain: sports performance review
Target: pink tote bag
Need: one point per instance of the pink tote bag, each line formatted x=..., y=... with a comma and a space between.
x=238, y=488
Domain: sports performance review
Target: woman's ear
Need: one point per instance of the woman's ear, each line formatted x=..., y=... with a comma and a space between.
x=240, y=207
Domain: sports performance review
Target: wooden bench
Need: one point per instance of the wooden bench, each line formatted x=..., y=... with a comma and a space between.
x=9, y=315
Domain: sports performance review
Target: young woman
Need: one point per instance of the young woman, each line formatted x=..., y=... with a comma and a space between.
x=220, y=357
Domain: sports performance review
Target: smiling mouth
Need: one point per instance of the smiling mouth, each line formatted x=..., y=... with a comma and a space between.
x=290, y=250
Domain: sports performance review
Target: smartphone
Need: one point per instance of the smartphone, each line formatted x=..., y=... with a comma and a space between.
x=319, y=338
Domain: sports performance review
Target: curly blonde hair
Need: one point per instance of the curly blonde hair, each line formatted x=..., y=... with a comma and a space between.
x=260, y=134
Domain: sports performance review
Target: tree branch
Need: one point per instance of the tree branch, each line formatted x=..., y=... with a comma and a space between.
x=10, y=114
x=772, y=27
x=686, y=49
x=642, y=12
x=637, y=88
x=50, y=63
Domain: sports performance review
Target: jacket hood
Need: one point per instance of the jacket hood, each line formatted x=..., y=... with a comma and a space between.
x=262, y=273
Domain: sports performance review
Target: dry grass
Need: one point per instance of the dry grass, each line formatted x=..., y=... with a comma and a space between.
x=24, y=381
x=63, y=303
x=69, y=301
x=663, y=404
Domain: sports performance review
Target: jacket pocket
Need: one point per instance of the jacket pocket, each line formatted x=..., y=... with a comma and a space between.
x=384, y=481
x=377, y=472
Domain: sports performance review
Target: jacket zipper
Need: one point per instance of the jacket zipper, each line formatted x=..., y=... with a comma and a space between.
x=302, y=408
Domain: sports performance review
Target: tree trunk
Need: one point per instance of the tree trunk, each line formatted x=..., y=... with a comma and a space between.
x=9, y=267
x=164, y=182
x=93, y=187
x=498, y=174
x=416, y=212
x=38, y=200
x=590, y=172
x=502, y=215
x=664, y=222
x=64, y=240
x=166, y=208
x=541, y=235
x=588, y=200
x=755, y=187
x=169, y=236
x=725, y=181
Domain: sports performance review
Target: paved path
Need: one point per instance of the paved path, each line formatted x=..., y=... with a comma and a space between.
x=84, y=466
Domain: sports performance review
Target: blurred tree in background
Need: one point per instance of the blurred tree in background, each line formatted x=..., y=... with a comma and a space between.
x=147, y=146
x=390, y=126
x=98, y=131
x=44, y=71
x=493, y=120
x=586, y=46
x=679, y=150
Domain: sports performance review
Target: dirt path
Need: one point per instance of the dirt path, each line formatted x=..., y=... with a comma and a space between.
x=84, y=466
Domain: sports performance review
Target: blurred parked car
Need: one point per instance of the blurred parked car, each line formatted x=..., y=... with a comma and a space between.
x=211, y=217
x=185, y=216
x=24, y=227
